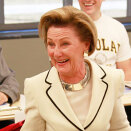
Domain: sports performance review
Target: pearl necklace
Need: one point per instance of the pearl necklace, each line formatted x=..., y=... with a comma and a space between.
x=79, y=86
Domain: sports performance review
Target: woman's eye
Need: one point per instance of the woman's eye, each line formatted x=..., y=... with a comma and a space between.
x=64, y=44
x=51, y=44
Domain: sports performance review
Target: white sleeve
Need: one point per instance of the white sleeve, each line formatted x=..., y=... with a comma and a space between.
x=119, y=120
x=33, y=121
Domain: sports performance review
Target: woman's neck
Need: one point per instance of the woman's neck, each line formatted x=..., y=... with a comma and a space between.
x=75, y=77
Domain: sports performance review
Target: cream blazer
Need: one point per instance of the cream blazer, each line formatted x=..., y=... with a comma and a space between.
x=48, y=109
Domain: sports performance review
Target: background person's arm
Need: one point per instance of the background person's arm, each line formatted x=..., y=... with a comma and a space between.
x=8, y=84
x=126, y=67
x=3, y=98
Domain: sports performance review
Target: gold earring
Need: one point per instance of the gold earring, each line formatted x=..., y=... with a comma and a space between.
x=86, y=53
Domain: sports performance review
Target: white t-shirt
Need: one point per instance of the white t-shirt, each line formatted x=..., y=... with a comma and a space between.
x=113, y=42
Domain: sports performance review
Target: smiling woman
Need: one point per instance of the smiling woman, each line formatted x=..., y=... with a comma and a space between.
x=64, y=97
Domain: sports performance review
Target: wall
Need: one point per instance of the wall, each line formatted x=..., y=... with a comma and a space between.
x=27, y=57
x=129, y=34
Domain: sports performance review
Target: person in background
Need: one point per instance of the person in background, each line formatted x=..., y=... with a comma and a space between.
x=9, y=87
x=75, y=94
x=113, y=48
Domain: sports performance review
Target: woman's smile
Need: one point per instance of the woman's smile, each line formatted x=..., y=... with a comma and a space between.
x=62, y=62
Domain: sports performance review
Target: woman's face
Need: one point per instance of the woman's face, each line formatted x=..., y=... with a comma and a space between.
x=91, y=7
x=65, y=50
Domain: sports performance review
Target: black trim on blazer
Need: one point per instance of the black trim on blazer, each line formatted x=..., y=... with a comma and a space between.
x=56, y=105
x=64, y=114
x=103, y=71
x=46, y=78
x=102, y=99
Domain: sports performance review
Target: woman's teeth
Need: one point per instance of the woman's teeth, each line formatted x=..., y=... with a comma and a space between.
x=62, y=61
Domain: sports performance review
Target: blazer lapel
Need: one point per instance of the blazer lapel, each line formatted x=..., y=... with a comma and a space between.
x=99, y=89
x=58, y=98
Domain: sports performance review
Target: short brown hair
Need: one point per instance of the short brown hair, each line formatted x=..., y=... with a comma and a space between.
x=70, y=16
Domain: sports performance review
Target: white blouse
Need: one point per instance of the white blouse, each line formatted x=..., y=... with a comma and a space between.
x=80, y=101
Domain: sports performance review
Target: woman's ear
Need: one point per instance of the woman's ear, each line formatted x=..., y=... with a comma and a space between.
x=87, y=46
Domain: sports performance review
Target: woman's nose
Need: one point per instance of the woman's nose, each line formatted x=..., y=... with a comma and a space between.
x=57, y=52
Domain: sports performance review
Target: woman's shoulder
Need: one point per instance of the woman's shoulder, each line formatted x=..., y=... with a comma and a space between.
x=104, y=68
x=39, y=77
x=100, y=69
x=113, y=71
x=115, y=76
x=34, y=83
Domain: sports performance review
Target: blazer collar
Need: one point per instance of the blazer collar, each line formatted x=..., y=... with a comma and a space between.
x=58, y=98
x=99, y=89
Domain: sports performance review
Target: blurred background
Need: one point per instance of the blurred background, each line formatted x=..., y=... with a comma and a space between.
x=20, y=11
